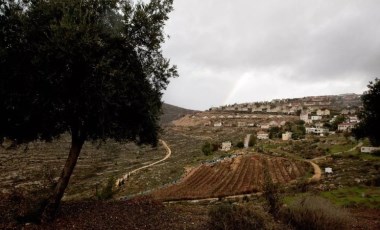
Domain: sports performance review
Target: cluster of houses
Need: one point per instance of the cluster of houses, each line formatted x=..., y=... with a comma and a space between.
x=292, y=106
x=310, y=118
x=315, y=118
x=243, y=121
x=350, y=123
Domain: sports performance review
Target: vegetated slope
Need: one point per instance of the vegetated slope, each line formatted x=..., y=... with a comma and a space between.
x=240, y=175
x=171, y=113
x=36, y=165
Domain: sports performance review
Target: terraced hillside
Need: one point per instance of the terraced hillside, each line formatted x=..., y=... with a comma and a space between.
x=233, y=176
x=32, y=166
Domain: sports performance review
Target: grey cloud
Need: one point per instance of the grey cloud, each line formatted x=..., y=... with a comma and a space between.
x=311, y=41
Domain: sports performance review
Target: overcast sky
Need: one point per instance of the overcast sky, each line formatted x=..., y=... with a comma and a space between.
x=234, y=51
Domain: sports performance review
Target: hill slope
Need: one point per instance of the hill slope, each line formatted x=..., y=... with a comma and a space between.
x=172, y=113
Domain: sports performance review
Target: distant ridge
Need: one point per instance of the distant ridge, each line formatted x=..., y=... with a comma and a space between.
x=172, y=113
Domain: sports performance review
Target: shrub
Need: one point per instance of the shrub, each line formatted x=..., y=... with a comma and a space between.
x=272, y=194
x=376, y=153
x=229, y=216
x=22, y=206
x=240, y=145
x=302, y=185
x=252, y=140
x=106, y=192
x=207, y=148
x=315, y=213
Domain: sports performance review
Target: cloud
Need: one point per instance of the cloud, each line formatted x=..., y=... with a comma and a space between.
x=283, y=44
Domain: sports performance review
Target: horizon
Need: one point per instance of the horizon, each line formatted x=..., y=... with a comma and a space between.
x=248, y=102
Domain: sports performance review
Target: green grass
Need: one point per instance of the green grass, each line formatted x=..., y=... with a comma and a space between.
x=341, y=148
x=368, y=197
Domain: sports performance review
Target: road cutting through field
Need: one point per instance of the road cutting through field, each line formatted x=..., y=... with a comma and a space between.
x=317, y=172
x=120, y=181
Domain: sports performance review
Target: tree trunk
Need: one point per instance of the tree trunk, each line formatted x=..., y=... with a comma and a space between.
x=51, y=208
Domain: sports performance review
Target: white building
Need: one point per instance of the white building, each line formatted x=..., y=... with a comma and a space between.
x=368, y=149
x=328, y=170
x=305, y=117
x=273, y=124
x=324, y=112
x=244, y=109
x=241, y=124
x=262, y=135
x=354, y=119
x=218, y=124
x=226, y=146
x=316, y=118
x=345, y=127
x=287, y=136
x=316, y=130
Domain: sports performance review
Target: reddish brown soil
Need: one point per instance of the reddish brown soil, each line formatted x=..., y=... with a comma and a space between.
x=136, y=214
x=368, y=219
x=235, y=176
x=144, y=213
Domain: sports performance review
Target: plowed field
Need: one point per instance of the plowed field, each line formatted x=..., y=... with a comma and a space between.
x=240, y=175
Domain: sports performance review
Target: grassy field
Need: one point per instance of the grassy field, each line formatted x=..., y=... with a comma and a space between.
x=368, y=197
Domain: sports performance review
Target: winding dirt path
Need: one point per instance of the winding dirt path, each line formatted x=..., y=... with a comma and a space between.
x=317, y=172
x=120, y=181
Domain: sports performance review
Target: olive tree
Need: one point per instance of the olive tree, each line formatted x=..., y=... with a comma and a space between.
x=93, y=68
x=370, y=114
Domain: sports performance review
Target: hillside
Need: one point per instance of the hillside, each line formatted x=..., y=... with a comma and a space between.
x=171, y=113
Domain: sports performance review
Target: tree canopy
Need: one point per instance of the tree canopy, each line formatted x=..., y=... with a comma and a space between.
x=370, y=114
x=93, y=68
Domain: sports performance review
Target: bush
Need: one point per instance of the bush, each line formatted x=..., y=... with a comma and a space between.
x=271, y=194
x=229, y=216
x=315, y=213
x=240, y=145
x=107, y=192
x=376, y=153
x=21, y=206
x=302, y=185
x=252, y=140
x=207, y=148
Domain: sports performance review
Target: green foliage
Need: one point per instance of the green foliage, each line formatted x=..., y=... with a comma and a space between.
x=298, y=131
x=275, y=132
x=339, y=119
x=315, y=213
x=83, y=67
x=229, y=216
x=207, y=148
x=252, y=140
x=240, y=145
x=106, y=192
x=370, y=115
x=376, y=153
x=366, y=197
x=94, y=69
x=271, y=194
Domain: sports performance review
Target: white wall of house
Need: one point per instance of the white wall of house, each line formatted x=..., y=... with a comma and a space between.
x=287, y=136
x=226, y=146
x=263, y=136
x=368, y=149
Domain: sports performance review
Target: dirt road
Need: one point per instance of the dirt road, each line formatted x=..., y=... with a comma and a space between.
x=120, y=181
